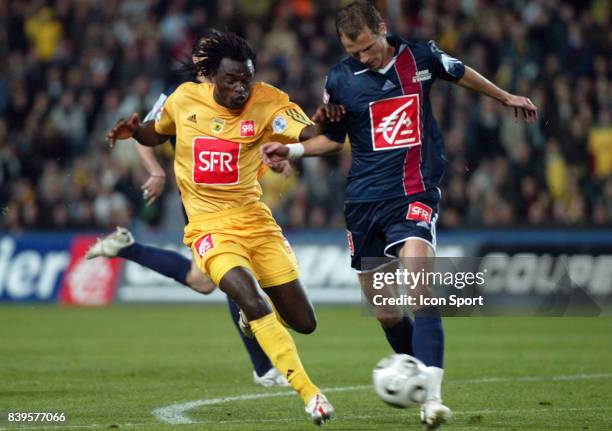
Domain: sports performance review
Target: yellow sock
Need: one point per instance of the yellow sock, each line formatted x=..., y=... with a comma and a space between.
x=280, y=348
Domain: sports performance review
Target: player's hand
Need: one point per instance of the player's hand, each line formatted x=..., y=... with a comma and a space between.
x=284, y=168
x=123, y=129
x=273, y=152
x=329, y=113
x=153, y=188
x=524, y=105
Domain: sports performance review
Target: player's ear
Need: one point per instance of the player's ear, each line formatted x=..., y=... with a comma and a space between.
x=382, y=29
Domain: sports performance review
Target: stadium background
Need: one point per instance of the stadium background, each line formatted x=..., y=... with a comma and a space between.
x=74, y=67
x=70, y=69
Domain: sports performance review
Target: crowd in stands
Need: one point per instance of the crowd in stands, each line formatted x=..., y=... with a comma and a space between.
x=70, y=69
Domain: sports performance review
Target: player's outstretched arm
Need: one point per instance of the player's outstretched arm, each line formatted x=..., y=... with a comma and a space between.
x=144, y=133
x=475, y=81
x=313, y=142
x=274, y=152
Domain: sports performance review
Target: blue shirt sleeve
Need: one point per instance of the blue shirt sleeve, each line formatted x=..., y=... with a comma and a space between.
x=334, y=131
x=445, y=67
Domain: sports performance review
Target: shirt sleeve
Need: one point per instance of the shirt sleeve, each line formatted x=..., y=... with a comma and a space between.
x=164, y=119
x=154, y=112
x=334, y=131
x=445, y=67
x=288, y=122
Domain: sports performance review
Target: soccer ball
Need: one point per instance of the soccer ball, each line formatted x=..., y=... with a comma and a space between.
x=400, y=380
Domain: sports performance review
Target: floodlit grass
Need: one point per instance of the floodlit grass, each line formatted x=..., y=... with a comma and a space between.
x=109, y=368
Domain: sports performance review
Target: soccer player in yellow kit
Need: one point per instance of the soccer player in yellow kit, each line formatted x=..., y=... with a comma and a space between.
x=234, y=239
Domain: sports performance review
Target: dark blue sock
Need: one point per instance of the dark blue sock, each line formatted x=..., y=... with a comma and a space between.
x=428, y=337
x=166, y=262
x=259, y=359
x=399, y=336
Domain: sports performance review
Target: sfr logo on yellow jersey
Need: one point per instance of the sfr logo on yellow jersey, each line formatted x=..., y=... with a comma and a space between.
x=215, y=161
x=247, y=128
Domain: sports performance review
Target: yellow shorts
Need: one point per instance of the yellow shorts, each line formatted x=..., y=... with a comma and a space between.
x=246, y=236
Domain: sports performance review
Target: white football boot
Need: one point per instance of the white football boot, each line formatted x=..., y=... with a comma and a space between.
x=433, y=413
x=110, y=245
x=272, y=378
x=319, y=409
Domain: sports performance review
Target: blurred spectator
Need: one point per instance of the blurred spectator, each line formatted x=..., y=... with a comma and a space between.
x=44, y=32
x=73, y=68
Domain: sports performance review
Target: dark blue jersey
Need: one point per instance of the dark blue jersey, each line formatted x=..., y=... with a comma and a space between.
x=396, y=145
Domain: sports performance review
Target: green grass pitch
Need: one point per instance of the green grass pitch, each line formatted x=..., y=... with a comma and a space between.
x=110, y=368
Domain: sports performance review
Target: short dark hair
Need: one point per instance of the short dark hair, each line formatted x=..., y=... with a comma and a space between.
x=215, y=46
x=351, y=19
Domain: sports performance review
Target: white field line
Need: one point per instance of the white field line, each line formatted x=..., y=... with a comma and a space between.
x=176, y=413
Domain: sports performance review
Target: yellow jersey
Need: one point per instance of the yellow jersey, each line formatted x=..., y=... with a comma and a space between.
x=217, y=156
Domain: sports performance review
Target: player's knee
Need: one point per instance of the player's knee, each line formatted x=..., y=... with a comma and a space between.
x=199, y=281
x=307, y=326
x=241, y=286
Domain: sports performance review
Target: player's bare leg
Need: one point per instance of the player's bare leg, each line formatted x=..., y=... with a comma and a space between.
x=199, y=281
x=293, y=306
x=397, y=326
x=240, y=285
x=387, y=315
x=428, y=341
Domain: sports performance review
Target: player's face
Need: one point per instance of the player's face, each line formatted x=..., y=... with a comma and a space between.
x=233, y=82
x=370, y=49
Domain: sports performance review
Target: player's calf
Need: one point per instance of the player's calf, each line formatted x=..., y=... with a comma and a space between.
x=293, y=306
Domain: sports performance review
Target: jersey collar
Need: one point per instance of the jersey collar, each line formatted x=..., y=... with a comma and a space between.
x=399, y=45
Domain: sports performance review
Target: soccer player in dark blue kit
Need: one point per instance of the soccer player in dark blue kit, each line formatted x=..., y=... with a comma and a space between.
x=392, y=194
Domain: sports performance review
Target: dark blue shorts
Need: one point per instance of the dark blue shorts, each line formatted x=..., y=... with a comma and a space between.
x=379, y=229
